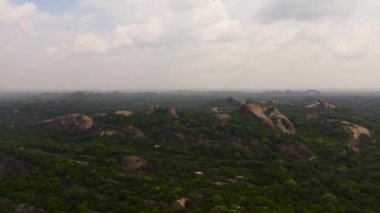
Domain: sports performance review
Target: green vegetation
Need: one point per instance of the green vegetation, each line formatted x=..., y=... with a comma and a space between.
x=242, y=169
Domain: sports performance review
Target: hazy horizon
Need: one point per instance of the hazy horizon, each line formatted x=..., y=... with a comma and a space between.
x=168, y=45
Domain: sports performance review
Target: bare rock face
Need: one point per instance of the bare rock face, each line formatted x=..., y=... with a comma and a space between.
x=236, y=101
x=222, y=118
x=109, y=132
x=282, y=123
x=10, y=166
x=70, y=122
x=134, y=133
x=171, y=112
x=128, y=132
x=125, y=113
x=20, y=207
x=178, y=136
x=133, y=163
x=272, y=103
x=216, y=110
x=306, y=152
x=152, y=109
x=300, y=152
x=100, y=114
x=185, y=203
x=26, y=208
x=357, y=133
x=271, y=116
x=319, y=104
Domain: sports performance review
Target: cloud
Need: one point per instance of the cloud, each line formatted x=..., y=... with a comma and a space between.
x=145, y=34
x=193, y=44
x=22, y=15
x=304, y=10
x=90, y=43
x=223, y=30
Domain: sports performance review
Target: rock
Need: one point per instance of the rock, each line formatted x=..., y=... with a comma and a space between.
x=100, y=114
x=26, y=208
x=272, y=103
x=133, y=133
x=109, y=132
x=70, y=122
x=255, y=146
x=288, y=150
x=179, y=137
x=20, y=208
x=128, y=132
x=222, y=118
x=185, y=203
x=240, y=178
x=306, y=152
x=198, y=173
x=316, y=118
x=300, y=152
x=124, y=113
x=152, y=109
x=236, y=101
x=220, y=183
x=133, y=163
x=357, y=133
x=271, y=116
x=319, y=104
x=171, y=112
x=216, y=110
x=282, y=123
x=11, y=166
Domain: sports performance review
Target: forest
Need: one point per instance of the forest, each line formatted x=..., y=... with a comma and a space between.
x=190, y=152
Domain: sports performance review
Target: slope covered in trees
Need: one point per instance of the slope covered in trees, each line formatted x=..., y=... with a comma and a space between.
x=188, y=162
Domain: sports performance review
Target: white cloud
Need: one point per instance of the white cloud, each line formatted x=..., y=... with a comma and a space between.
x=89, y=43
x=21, y=15
x=305, y=10
x=195, y=43
x=223, y=30
x=145, y=34
x=210, y=12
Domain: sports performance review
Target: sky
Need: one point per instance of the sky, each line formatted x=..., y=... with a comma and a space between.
x=189, y=44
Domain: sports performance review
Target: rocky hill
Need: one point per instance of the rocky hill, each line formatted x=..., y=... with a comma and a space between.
x=271, y=116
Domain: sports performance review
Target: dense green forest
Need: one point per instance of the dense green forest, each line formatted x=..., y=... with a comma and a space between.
x=207, y=156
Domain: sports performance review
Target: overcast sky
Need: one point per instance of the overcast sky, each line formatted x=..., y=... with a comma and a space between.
x=189, y=44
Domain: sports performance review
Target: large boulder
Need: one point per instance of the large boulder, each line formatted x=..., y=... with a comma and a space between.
x=128, y=132
x=236, y=101
x=124, y=113
x=20, y=207
x=271, y=116
x=299, y=152
x=320, y=104
x=70, y=122
x=357, y=133
x=171, y=112
x=152, y=109
x=26, y=208
x=222, y=118
x=185, y=203
x=133, y=163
